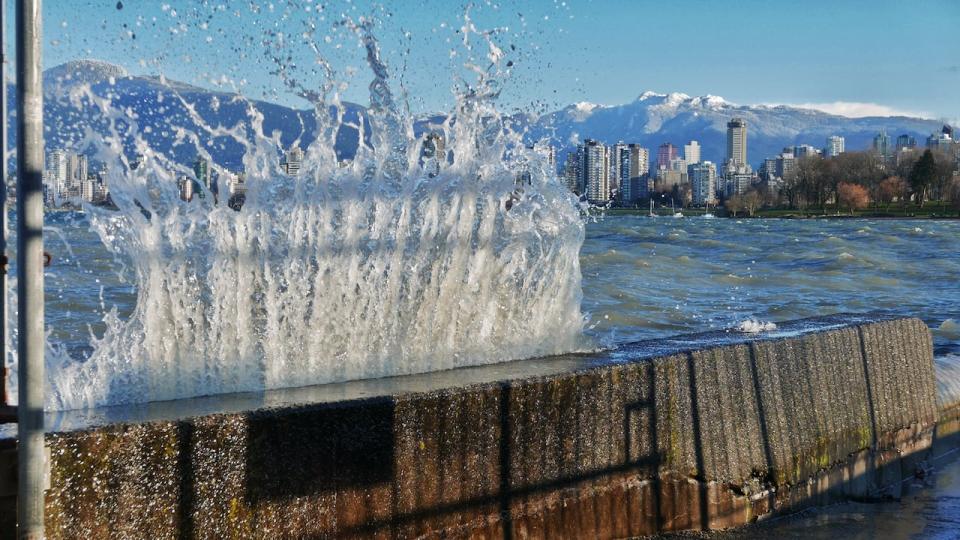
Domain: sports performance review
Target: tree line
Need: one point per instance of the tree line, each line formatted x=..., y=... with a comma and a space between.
x=855, y=180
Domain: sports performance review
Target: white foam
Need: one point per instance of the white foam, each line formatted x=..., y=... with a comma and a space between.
x=755, y=326
x=374, y=268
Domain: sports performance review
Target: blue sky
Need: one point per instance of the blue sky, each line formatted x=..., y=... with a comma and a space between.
x=843, y=56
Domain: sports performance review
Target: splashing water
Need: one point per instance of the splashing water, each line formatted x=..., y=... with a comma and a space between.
x=755, y=326
x=388, y=264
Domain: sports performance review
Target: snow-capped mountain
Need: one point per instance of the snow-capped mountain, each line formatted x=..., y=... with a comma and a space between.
x=163, y=109
x=654, y=118
x=160, y=106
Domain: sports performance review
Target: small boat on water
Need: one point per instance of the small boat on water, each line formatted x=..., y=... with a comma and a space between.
x=652, y=213
x=675, y=213
x=708, y=214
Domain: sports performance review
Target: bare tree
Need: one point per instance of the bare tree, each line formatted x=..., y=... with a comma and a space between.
x=893, y=188
x=943, y=175
x=955, y=193
x=752, y=200
x=734, y=205
x=853, y=196
x=864, y=168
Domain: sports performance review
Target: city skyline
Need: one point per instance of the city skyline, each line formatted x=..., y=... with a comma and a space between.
x=619, y=173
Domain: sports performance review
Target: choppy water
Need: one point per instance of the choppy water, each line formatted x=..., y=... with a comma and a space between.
x=648, y=277
x=929, y=510
x=644, y=278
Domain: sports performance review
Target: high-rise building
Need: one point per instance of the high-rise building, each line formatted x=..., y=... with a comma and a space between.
x=785, y=165
x=186, y=185
x=619, y=166
x=906, y=141
x=57, y=172
x=737, y=183
x=236, y=190
x=666, y=153
x=835, y=146
x=621, y=159
x=637, y=185
x=639, y=160
x=941, y=141
x=551, y=155
x=291, y=161
x=201, y=171
x=737, y=141
x=87, y=188
x=571, y=172
x=881, y=144
x=691, y=153
x=703, y=180
x=76, y=174
x=667, y=179
x=768, y=171
x=595, y=168
x=804, y=150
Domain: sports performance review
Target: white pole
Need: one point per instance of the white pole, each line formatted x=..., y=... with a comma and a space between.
x=30, y=318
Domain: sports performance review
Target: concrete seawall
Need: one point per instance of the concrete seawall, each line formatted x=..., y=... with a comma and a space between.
x=704, y=431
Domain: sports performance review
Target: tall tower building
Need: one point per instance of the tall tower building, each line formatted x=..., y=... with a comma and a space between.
x=942, y=141
x=571, y=172
x=636, y=174
x=618, y=160
x=201, y=170
x=737, y=141
x=595, y=168
x=881, y=144
x=666, y=153
x=835, y=146
x=906, y=141
x=639, y=160
x=804, y=150
x=57, y=171
x=551, y=154
x=76, y=174
x=691, y=152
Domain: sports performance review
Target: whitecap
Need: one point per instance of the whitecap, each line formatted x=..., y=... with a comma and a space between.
x=755, y=326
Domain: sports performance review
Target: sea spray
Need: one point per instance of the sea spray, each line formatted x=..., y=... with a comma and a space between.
x=387, y=264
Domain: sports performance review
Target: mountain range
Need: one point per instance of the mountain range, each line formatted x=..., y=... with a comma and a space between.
x=652, y=118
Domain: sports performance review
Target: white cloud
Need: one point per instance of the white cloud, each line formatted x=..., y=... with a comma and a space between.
x=856, y=109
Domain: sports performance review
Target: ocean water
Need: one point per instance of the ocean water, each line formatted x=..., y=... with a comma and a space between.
x=928, y=510
x=645, y=277
x=649, y=277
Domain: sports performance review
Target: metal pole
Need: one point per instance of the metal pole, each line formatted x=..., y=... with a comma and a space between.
x=3, y=204
x=30, y=343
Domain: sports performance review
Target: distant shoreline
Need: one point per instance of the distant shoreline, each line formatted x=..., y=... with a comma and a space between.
x=781, y=214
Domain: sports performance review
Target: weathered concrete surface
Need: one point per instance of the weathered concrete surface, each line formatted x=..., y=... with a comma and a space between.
x=704, y=431
x=947, y=438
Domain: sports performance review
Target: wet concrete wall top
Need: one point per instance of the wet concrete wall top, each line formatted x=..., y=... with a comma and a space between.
x=605, y=445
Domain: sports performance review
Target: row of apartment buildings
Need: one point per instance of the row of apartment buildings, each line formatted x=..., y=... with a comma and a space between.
x=622, y=172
